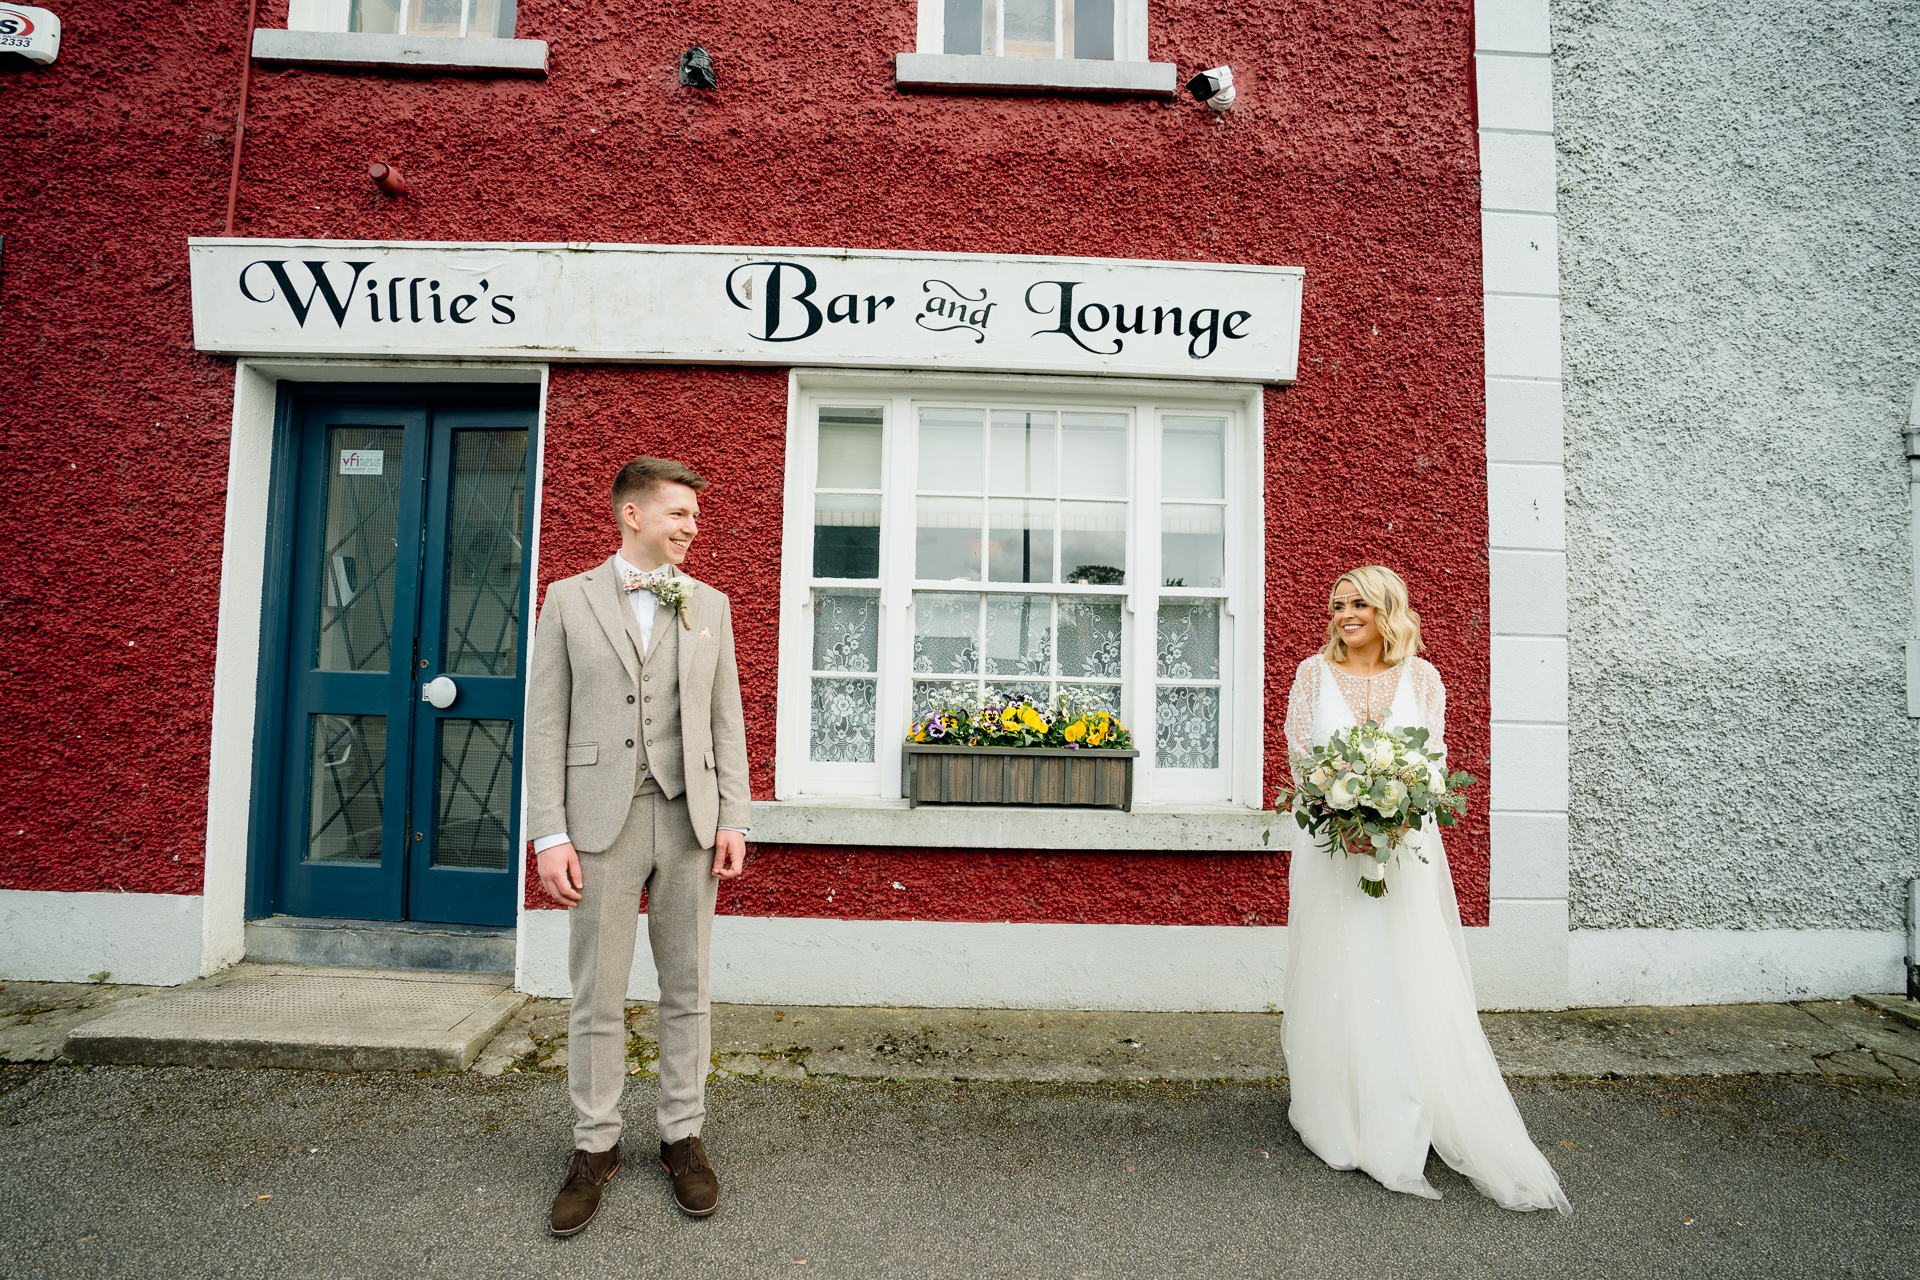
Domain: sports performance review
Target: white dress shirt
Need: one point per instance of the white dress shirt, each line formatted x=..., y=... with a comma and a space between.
x=646, y=608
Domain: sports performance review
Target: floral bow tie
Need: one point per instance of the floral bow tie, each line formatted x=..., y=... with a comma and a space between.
x=631, y=581
x=669, y=591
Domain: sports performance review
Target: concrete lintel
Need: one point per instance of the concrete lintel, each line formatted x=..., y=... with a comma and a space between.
x=981, y=73
x=891, y=824
x=417, y=53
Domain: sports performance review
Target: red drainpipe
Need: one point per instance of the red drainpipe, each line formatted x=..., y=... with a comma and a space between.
x=240, y=116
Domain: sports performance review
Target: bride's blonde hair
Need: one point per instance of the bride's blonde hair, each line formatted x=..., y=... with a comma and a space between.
x=1399, y=625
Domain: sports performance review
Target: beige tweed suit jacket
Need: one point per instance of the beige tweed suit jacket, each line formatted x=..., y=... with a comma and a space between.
x=581, y=716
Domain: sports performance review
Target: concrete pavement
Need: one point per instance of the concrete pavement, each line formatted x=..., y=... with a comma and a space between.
x=114, y=1172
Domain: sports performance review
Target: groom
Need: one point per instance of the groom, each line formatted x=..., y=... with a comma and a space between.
x=636, y=766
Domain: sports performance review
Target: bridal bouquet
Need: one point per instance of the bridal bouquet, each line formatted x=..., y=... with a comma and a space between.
x=1367, y=788
x=1075, y=721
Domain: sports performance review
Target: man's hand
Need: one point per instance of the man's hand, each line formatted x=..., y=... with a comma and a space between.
x=560, y=874
x=729, y=854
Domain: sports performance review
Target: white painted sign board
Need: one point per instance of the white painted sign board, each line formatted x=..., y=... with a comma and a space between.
x=705, y=305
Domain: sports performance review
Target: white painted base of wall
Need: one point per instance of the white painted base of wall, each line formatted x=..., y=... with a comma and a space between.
x=963, y=965
x=151, y=939
x=1730, y=966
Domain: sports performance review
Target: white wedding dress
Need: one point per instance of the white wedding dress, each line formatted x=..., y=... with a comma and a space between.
x=1384, y=1049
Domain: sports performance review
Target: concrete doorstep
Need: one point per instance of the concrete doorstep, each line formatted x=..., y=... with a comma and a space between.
x=332, y=1019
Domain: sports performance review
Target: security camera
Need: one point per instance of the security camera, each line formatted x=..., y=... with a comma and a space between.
x=1215, y=88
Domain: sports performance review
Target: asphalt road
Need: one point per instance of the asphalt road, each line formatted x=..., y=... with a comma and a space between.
x=183, y=1172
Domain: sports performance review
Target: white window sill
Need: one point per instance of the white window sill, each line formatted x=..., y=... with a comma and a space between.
x=981, y=73
x=411, y=53
x=1185, y=828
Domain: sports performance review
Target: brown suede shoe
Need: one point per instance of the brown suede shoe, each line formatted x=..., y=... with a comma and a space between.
x=695, y=1189
x=579, y=1197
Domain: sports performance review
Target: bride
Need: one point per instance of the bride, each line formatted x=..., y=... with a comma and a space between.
x=1384, y=1049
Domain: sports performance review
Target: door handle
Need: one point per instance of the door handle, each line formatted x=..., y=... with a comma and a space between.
x=440, y=691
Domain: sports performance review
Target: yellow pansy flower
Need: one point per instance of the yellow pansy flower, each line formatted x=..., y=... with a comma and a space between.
x=1031, y=718
x=1077, y=730
x=1100, y=730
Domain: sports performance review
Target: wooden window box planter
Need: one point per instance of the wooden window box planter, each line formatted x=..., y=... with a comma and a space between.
x=1089, y=779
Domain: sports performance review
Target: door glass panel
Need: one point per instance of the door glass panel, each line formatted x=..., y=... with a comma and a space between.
x=476, y=795
x=359, y=548
x=486, y=543
x=349, y=758
x=1029, y=29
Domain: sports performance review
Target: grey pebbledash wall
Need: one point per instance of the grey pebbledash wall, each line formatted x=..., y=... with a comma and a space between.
x=1739, y=193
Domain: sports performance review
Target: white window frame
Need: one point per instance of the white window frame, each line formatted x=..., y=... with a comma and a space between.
x=1129, y=37
x=1239, y=779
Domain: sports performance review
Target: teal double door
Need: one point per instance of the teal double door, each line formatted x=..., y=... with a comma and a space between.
x=405, y=633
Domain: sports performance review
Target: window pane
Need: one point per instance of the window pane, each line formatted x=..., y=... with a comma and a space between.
x=962, y=29
x=1092, y=29
x=349, y=780
x=1005, y=691
x=1090, y=637
x=1193, y=546
x=846, y=630
x=842, y=724
x=1029, y=28
x=1020, y=636
x=1093, y=543
x=434, y=18
x=1019, y=540
x=1093, y=454
x=947, y=545
x=850, y=449
x=361, y=534
x=953, y=451
x=1188, y=728
x=1023, y=449
x=925, y=692
x=1189, y=640
x=1107, y=695
x=485, y=539
x=1193, y=457
x=946, y=633
x=483, y=19
x=377, y=16
x=476, y=795
x=846, y=535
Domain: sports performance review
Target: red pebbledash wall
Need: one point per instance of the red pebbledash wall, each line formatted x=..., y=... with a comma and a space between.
x=1350, y=153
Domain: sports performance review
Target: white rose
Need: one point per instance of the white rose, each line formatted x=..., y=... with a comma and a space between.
x=1321, y=776
x=1436, y=776
x=1380, y=753
x=1345, y=792
x=1388, y=797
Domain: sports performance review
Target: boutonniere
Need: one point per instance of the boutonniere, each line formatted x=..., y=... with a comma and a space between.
x=705, y=634
x=673, y=593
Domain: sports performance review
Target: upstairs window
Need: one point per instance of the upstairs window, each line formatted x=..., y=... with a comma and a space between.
x=1085, y=30
x=1030, y=28
x=492, y=19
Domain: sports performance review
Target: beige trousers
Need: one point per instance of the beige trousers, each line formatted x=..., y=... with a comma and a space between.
x=658, y=852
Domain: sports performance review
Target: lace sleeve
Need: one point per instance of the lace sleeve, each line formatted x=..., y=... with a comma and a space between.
x=1299, y=727
x=1433, y=704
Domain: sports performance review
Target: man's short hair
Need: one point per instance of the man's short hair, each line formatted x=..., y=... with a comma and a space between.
x=637, y=481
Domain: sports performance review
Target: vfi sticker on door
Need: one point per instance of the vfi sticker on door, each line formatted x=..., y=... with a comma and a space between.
x=363, y=462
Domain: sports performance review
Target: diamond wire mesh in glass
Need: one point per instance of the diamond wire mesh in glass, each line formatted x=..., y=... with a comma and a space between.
x=485, y=546
x=360, y=539
x=476, y=795
x=346, y=809
x=1187, y=735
